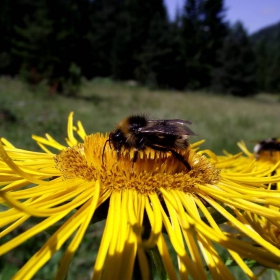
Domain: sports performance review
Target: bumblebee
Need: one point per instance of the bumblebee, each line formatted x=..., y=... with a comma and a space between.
x=269, y=145
x=138, y=132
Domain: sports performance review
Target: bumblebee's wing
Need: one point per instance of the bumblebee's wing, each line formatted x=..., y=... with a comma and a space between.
x=174, y=121
x=167, y=127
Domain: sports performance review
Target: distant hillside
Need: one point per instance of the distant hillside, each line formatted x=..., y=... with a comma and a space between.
x=266, y=43
x=270, y=34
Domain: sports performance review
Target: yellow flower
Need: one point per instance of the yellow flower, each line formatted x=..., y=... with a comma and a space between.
x=264, y=158
x=149, y=201
x=268, y=228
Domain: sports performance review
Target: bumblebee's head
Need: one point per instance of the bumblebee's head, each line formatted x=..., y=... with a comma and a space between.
x=117, y=139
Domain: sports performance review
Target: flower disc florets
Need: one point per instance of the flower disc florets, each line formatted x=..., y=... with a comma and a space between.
x=152, y=170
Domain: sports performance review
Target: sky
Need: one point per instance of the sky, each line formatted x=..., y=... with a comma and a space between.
x=254, y=14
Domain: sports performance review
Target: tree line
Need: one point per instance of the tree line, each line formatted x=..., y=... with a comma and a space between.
x=64, y=40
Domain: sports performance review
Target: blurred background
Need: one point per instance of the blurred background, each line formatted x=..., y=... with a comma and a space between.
x=213, y=62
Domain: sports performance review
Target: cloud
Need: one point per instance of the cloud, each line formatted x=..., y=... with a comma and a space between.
x=269, y=11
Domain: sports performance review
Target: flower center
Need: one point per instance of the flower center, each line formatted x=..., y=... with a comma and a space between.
x=151, y=171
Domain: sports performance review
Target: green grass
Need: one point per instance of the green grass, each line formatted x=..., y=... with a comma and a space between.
x=221, y=120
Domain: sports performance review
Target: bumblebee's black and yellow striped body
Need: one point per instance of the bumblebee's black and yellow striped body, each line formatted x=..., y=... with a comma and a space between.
x=268, y=145
x=138, y=132
x=269, y=149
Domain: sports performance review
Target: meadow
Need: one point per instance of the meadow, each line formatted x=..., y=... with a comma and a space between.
x=221, y=120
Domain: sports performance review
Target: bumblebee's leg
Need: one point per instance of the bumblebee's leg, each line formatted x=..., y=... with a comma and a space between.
x=118, y=155
x=134, y=159
x=274, y=185
x=140, y=147
x=174, y=153
x=135, y=156
x=180, y=158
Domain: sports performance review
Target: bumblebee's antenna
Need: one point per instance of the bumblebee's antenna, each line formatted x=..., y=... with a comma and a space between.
x=103, y=151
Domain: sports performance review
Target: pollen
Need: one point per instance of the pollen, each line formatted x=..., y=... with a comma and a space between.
x=73, y=164
x=152, y=170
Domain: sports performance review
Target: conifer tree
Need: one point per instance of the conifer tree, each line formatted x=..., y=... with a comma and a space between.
x=6, y=31
x=215, y=29
x=32, y=43
x=237, y=74
x=273, y=74
x=133, y=32
x=203, y=32
x=15, y=15
x=192, y=41
x=104, y=26
x=157, y=60
x=267, y=48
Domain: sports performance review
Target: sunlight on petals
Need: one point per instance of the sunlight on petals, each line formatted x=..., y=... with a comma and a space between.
x=152, y=206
